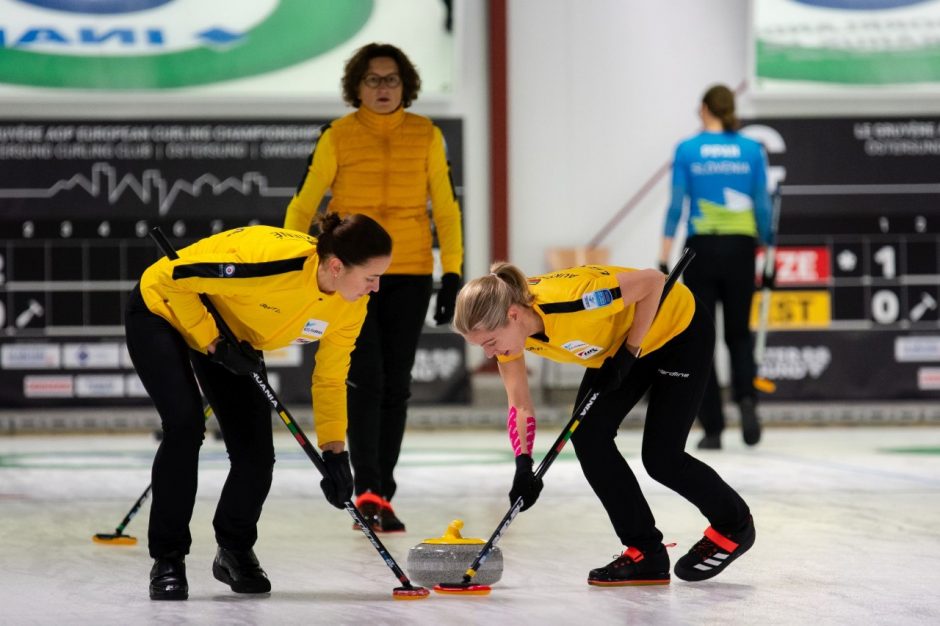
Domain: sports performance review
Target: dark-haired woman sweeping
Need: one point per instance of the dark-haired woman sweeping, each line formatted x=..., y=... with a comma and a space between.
x=273, y=287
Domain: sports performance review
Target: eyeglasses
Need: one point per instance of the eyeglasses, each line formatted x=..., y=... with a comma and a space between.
x=374, y=81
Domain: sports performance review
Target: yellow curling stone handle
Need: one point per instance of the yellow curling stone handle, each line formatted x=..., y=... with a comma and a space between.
x=452, y=536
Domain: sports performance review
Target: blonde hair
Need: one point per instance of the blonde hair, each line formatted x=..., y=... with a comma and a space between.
x=483, y=303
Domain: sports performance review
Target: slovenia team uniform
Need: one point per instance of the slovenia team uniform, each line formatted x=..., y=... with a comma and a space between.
x=586, y=321
x=724, y=176
x=263, y=281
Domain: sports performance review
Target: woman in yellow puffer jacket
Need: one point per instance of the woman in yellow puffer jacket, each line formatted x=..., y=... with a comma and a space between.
x=385, y=163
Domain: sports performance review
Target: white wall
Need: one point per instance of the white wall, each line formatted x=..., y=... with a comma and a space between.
x=600, y=93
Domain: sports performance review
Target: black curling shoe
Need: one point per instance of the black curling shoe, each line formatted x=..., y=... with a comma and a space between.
x=714, y=552
x=750, y=422
x=241, y=571
x=633, y=568
x=168, y=579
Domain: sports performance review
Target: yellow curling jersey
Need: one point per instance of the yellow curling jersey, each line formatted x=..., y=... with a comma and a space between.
x=263, y=281
x=586, y=320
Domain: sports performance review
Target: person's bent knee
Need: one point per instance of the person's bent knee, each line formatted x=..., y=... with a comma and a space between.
x=592, y=436
x=662, y=468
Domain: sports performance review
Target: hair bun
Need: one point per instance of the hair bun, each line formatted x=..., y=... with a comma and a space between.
x=328, y=222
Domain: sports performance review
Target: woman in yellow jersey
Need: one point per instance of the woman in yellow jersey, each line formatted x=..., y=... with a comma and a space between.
x=386, y=163
x=273, y=287
x=605, y=319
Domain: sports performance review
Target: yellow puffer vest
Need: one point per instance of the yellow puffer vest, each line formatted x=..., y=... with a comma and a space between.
x=382, y=172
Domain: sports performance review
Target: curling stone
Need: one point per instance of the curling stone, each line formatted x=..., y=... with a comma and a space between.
x=445, y=559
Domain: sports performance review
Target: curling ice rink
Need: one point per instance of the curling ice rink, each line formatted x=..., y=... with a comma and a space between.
x=848, y=532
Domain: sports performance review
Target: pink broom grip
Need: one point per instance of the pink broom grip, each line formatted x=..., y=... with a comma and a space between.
x=513, y=427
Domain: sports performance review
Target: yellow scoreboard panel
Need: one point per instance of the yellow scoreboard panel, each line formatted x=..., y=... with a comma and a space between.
x=794, y=309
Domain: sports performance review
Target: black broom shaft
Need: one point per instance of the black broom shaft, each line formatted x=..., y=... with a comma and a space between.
x=130, y=514
x=264, y=386
x=143, y=497
x=580, y=412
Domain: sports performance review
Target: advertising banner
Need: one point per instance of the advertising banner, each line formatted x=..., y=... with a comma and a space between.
x=819, y=46
x=197, y=48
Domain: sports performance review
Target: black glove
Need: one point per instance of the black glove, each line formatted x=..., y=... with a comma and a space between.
x=446, y=298
x=524, y=483
x=337, y=485
x=664, y=268
x=238, y=359
x=614, y=369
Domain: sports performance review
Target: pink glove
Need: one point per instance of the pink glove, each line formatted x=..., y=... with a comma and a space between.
x=513, y=429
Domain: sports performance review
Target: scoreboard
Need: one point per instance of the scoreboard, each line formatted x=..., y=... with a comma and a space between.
x=77, y=201
x=855, y=315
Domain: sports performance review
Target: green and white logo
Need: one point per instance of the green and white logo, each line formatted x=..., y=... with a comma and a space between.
x=160, y=44
x=848, y=42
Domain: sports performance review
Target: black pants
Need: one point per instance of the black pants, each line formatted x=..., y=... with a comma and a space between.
x=675, y=376
x=380, y=379
x=166, y=367
x=724, y=272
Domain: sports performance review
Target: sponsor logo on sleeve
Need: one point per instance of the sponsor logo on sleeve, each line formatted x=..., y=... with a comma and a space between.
x=597, y=299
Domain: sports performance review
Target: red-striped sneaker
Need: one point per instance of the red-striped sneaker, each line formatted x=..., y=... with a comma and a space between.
x=714, y=552
x=633, y=568
x=369, y=504
x=388, y=521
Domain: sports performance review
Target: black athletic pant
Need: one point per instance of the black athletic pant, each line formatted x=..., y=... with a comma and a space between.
x=166, y=367
x=724, y=272
x=675, y=376
x=380, y=379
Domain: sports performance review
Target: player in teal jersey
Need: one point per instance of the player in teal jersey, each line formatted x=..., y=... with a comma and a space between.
x=724, y=177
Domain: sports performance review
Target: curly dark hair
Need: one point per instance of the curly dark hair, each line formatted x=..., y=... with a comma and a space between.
x=358, y=65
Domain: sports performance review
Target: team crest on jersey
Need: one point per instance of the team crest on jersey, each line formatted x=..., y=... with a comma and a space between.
x=313, y=331
x=581, y=349
x=597, y=299
x=228, y=270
